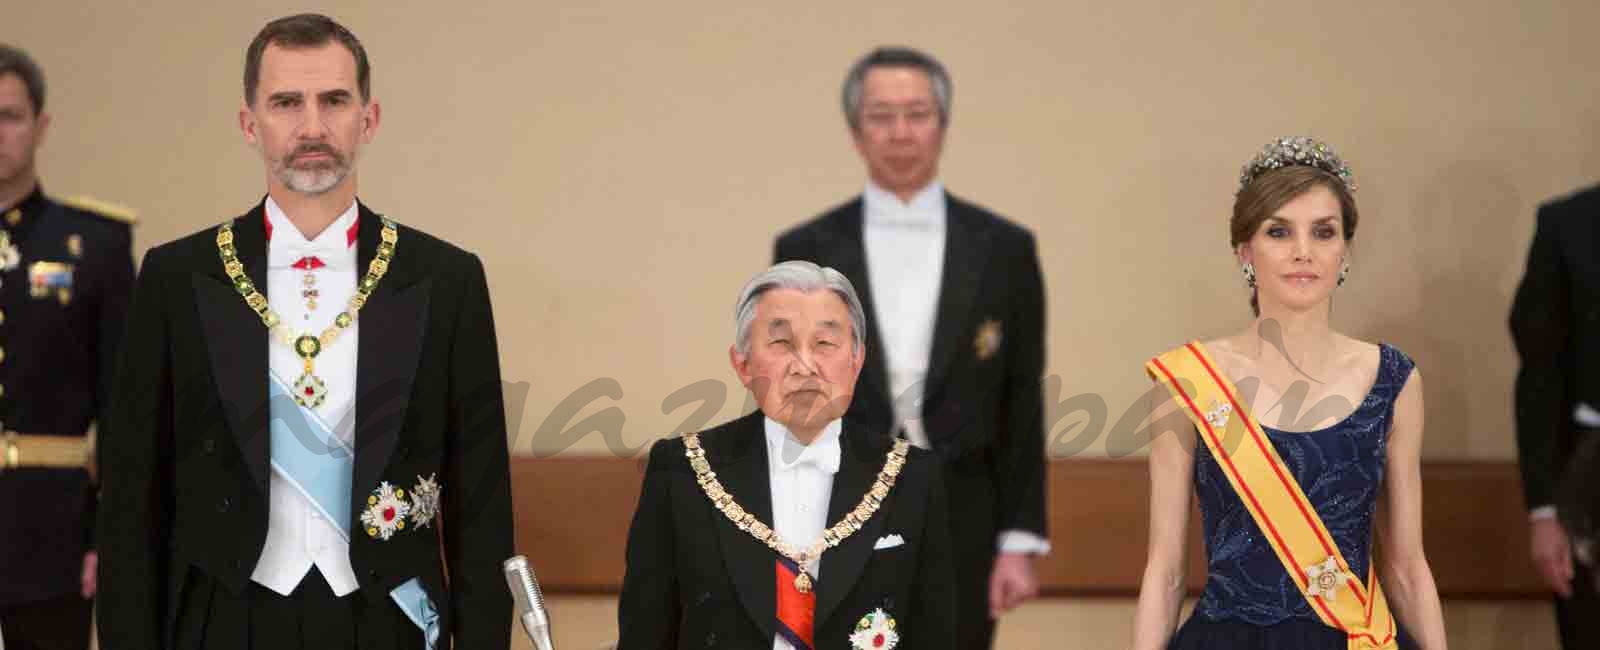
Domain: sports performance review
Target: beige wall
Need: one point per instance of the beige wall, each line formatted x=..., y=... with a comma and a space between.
x=622, y=166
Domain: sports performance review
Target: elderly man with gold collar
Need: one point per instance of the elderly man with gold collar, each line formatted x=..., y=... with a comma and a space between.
x=790, y=527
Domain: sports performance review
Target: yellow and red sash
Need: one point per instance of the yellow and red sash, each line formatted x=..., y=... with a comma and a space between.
x=1287, y=519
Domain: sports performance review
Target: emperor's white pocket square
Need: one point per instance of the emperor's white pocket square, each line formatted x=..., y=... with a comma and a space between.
x=888, y=541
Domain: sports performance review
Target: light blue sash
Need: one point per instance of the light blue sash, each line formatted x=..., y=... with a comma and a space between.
x=307, y=455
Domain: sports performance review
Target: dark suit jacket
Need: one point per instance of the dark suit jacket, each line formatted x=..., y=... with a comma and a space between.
x=694, y=580
x=186, y=473
x=1555, y=321
x=59, y=355
x=984, y=416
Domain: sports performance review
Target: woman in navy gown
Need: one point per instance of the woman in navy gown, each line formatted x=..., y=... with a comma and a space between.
x=1344, y=416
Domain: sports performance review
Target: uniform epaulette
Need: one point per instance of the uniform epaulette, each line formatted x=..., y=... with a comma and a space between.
x=105, y=209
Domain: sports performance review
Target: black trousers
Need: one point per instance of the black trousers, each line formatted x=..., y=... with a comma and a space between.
x=309, y=618
x=974, y=628
x=60, y=623
x=1578, y=618
x=974, y=561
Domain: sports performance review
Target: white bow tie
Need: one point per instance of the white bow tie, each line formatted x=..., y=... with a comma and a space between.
x=901, y=217
x=821, y=454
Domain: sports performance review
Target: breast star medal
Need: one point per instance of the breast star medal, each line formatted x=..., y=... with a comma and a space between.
x=310, y=391
x=987, y=342
x=875, y=631
x=386, y=512
x=425, y=500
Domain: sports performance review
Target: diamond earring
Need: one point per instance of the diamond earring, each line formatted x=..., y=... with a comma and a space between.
x=1249, y=271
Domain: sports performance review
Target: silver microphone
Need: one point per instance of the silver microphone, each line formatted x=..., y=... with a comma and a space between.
x=524, y=588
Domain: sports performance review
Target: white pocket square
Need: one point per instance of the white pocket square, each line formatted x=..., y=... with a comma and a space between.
x=888, y=541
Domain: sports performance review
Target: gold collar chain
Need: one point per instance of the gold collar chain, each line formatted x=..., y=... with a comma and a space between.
x=309, y=391
x=833, y=536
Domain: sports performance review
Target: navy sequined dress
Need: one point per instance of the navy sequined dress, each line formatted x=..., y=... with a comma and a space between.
x=1250, y=602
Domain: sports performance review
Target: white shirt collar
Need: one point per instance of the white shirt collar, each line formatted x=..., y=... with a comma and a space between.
x=287, y=245
x=926, y=207
x=785, y=452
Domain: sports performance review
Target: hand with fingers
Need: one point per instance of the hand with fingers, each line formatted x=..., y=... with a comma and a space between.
x=1552, y=554
x=1012, y=583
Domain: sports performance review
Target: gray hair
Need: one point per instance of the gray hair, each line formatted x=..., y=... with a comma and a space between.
x=13, y=60
x=802, y=276
x=894, y=57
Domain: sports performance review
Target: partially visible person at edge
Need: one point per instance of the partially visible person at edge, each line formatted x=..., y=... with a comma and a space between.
x=66, y=275
x=1558, y=409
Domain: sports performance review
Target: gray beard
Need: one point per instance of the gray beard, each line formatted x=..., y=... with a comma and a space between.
x=312, y=181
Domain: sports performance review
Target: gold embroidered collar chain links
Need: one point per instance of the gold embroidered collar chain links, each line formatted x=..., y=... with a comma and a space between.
x=833, y=536
x=309, y=391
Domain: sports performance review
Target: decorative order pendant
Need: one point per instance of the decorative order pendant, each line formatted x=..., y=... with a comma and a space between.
x=802, y=582
x=1323, y=578
x=310, y=391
